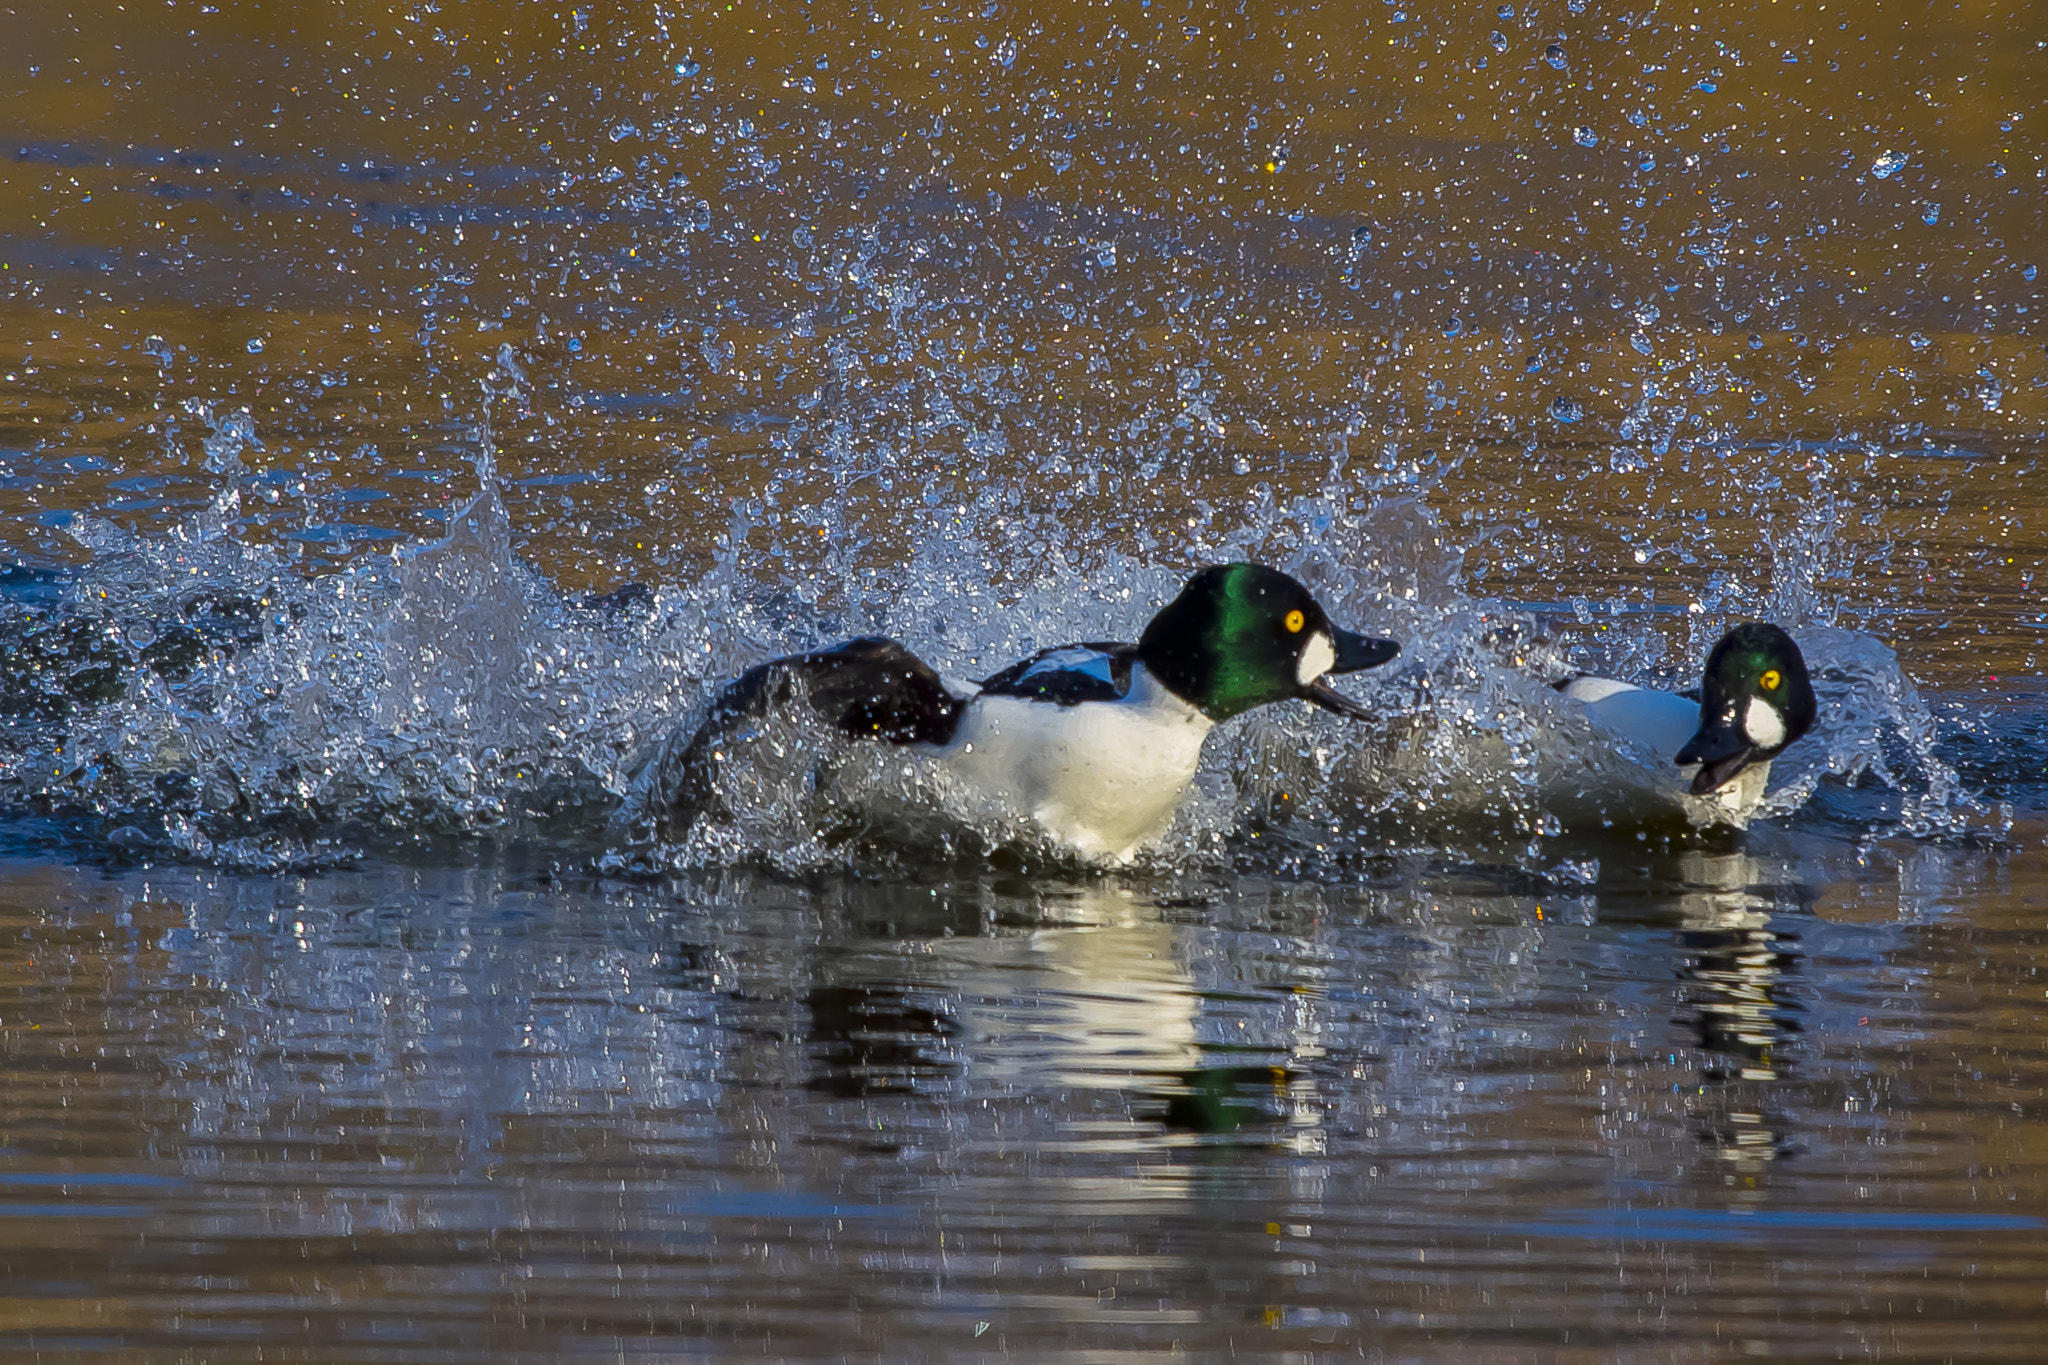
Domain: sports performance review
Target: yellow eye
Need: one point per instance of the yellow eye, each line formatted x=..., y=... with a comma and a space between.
x=1770, y=680
x=1295, y=621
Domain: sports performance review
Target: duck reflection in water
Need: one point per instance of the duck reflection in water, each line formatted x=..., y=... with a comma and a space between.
x=1091, y=1007
x=1737, y=981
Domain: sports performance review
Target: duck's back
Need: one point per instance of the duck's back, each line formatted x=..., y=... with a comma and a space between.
x=1659, y=721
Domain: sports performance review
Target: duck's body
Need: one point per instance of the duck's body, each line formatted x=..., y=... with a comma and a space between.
x=1103, y=774
x=1662, y=723
x=1755, y=698
x=1096, y=743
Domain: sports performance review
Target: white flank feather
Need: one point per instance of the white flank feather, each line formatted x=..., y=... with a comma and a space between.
x=1102, y=776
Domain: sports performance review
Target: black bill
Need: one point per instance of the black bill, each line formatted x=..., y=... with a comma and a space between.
x=1329, y=698
x=1721, y=750
x=1361, y=651
x=1353, y=653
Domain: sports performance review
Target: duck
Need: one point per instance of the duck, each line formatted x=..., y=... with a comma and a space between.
x=1755, y=699
x=1095, y=742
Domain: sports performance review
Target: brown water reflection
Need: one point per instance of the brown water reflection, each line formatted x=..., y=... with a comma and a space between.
x=881, y=260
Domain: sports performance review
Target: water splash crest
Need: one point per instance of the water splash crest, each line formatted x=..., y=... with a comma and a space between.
x=234, y=711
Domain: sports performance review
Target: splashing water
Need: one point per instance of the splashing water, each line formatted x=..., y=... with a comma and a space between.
x=447, y=690
x=991, y=411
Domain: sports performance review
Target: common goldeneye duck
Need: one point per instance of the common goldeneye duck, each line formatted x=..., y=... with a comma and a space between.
x=1095, y=742
x=1754, y=700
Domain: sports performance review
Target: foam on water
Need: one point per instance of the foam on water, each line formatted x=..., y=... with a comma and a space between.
x=447, y=690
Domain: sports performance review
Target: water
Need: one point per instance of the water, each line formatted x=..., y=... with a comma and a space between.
x=407, y=417
x=1454, y=1112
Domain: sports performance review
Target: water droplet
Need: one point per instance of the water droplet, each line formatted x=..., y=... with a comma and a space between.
x=1705, y=86
x=687, y=69
x=1567, y=410
x=1918, y=341
x=1006, y=52
x=1554, y=54
x=1455, y=327
x=1585, y=137
x=575, y=343
x=622, y=131
x=1931, y=214
x=1499, y=40
x=1648, y=163
x=255, y=345
x=1888, y=165
x=2027, y=272
x=223, y=446
x=1991, y=392
x=1504, y=13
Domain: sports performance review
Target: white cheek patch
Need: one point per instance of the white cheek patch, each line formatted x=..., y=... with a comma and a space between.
x=1761, y=724
x=1317, y=658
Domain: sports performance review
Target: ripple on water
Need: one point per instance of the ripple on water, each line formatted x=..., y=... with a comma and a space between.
x=1149, y=1111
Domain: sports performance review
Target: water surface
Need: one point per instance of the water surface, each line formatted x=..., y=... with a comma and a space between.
x=349, y=361
x=472, y=1113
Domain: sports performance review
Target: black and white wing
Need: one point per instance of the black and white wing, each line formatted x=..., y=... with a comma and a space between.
x=1069, y=675
x=869, y=688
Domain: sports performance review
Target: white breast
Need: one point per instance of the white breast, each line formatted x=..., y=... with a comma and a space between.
x=1103, y=777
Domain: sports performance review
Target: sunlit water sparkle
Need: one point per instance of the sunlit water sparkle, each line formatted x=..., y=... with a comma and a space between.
x=353, y=364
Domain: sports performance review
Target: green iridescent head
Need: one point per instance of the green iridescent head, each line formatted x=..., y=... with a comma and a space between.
x=1755, y=699
x=1244, y=635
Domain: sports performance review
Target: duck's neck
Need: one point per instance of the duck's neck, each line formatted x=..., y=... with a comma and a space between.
x=1152, y=692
